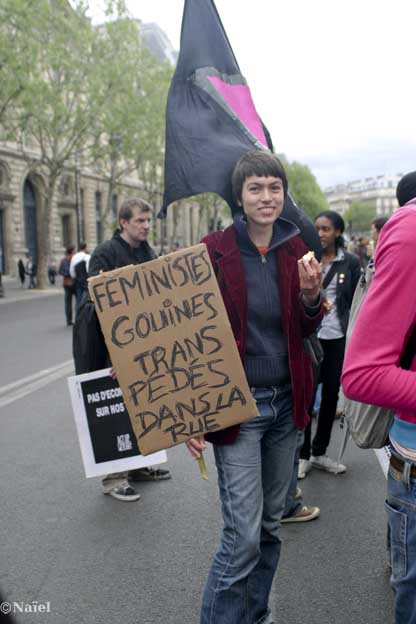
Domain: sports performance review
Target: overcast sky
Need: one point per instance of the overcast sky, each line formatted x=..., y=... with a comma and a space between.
x=334, y=81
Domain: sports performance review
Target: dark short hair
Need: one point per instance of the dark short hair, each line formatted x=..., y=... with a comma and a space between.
x=406, y=188
x=70, y=249
x=379, y=223
x=126, y=208
x=337, y=222
x=82, y=246
x=256, y=163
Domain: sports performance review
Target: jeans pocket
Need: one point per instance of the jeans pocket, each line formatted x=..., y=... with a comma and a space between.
x=398, y=540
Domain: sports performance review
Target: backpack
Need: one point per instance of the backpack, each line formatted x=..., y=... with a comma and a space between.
x=81, y=274
x=369, y=425
x=88, y=345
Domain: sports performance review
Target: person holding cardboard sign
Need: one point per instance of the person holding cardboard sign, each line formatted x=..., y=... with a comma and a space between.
x=128, y=246
x=272, y=297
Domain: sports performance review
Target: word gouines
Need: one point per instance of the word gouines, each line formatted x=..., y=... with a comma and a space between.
x=172, y=347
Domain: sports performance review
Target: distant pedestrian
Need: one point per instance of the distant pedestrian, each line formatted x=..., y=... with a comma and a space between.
x=68, y=282
x=51, y=272
x=362, y=252
x=79, y=272
x=381, y=349
x=22, y=272
x=352, y=245
x=376, y=227
x=31, y=270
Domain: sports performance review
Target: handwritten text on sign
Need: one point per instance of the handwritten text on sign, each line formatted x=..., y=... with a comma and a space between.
x=171, y=344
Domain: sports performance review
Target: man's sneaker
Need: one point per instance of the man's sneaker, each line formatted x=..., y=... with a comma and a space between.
x=149, y=474
x=298, y=493
x=304, y=468
x=323, y=462
x=124, y=493
x=303, y=515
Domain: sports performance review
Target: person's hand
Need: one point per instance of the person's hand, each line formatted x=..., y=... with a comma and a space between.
x=196, y=446
x=310, y=278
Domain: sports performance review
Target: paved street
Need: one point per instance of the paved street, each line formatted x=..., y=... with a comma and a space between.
x=98, y=560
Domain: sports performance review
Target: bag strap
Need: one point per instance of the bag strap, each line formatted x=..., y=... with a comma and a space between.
x=328, y=277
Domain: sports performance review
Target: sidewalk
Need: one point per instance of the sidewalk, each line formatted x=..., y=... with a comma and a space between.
x=13, y=292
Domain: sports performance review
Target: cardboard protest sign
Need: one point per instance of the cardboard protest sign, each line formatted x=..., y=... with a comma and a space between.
x=172, y=347
x=105, y=434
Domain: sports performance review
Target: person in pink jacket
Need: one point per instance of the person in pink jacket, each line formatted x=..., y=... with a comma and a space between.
x=383, y=337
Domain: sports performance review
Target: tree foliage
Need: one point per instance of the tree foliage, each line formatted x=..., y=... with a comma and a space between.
x=19, y=51
x=359, y=215
x=129, y=128
x=78, y=96
x=305, y=189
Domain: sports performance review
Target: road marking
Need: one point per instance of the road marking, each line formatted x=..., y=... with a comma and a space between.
x=28, y=296
x=22, y=387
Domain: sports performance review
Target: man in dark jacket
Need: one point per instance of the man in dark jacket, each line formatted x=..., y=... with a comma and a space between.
x=67, y=282
x=272, y=297
x=128, y=246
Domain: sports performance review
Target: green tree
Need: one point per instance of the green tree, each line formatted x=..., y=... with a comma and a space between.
x=58, y=104
x=360, y=215
x=19, y=50
x=129, y=129
x=305, y=190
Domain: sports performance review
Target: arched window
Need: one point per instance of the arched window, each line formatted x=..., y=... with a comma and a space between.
x=30, y=218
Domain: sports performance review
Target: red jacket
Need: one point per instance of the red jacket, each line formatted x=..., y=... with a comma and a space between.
x=226, y=259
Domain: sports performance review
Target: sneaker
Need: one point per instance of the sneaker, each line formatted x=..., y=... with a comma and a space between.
x=124, y=493
x=149, y=474
x=303, y=515
x=304, y=468
x=323, y=462
x=298, y=493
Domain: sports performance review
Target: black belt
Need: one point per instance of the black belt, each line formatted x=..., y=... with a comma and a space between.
x=398, y=465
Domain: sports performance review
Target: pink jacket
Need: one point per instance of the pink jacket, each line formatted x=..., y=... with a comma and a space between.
x=386, y=320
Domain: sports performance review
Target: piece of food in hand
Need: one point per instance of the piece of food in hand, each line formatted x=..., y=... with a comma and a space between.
x=309, y=256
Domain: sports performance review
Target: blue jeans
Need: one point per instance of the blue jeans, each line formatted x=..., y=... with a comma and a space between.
x=401, y=513
x=253, y=477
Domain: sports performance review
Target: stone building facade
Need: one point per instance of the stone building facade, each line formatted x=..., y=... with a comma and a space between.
x=379, y=191
x=78, y=212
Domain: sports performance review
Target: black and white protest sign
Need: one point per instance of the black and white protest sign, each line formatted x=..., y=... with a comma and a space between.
x=105, y=433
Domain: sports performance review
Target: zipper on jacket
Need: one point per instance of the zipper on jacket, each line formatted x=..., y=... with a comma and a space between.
x=263, y=259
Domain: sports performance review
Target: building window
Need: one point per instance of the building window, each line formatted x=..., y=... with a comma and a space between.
x=66, y=230
x=98, y=214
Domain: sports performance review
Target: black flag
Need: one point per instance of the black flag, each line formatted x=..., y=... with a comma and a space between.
x=211, y=120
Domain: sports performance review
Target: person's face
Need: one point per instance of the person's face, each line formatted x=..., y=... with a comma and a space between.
x=374, y=233
x=262, y=199
x=326, y=232
x=136, y=229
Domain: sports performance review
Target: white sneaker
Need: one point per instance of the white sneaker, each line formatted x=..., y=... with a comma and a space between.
x=323, y=462
x=304, y=467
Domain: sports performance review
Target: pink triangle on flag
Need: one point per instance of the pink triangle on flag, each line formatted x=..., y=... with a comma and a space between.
x=238, y=97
